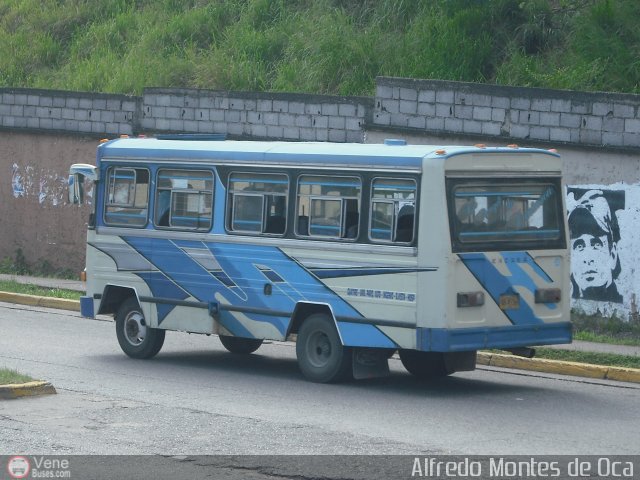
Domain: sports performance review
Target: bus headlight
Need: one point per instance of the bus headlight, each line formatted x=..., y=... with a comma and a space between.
x=470, y=299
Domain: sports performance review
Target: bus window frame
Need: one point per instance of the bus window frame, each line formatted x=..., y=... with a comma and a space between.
x=359, y=177
x=396, y=214
x=107, y=190
x=230, y=204
x=232, y=220
x=340, y=226
x=185, y=190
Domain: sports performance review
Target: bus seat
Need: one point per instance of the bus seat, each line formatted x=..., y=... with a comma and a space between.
x=404, y=227
x=303, y=225
x=275, y=224
x=163, y=221
x=351, y=224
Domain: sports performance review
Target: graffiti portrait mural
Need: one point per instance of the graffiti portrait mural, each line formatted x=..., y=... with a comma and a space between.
x=594, y=236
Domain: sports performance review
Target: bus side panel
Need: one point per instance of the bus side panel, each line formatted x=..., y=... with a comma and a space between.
x=111, y=262
x=184, y=277
x=378, y=286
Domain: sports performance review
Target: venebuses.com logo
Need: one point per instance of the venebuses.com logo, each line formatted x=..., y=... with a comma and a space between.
x=18, y=467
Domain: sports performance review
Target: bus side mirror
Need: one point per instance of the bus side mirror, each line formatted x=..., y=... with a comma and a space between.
x=77, y=175
x=76, y=189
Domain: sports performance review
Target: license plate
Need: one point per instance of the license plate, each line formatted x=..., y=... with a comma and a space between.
x=509, y=302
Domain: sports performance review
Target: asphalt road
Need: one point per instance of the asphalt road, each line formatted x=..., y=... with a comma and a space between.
x=194, y=398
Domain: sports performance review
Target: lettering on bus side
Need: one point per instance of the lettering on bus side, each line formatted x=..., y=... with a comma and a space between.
x=381, y=294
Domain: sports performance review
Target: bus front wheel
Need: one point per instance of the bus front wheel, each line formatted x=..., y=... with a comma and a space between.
x=424, y=365
x=321, y=356
x=136, y=338
x=240, y=345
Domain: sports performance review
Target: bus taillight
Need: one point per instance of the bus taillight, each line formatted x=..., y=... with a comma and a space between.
x=470, y=299
x=547, y=295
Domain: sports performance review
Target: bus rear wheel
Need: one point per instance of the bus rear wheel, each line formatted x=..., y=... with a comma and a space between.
x=136, y=338
x=425, y=365
x=321, y=356
x=240, y=345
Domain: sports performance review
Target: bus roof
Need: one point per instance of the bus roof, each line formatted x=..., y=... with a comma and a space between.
x=392, y=155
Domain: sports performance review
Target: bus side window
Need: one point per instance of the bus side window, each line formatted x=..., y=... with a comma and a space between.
x=127, y=197
x=393, y=210
x=257, y=203
x=184, y=199
x=328, y=207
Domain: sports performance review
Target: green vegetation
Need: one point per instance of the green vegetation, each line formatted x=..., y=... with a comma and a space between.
x=631, y=340
x=8, y=376
x=16, y=287
x=593, y=358
x=597, y=328
x=317, y=46
x=41, y=268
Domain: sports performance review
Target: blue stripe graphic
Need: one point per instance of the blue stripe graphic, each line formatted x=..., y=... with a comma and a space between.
x=241, y=282
x=497, y=284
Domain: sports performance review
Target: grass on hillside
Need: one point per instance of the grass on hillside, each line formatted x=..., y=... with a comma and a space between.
x=317, y=46
x=16, y=287
x=8, y=376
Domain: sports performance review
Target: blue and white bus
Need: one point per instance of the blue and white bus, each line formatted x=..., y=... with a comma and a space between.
x=355, y=251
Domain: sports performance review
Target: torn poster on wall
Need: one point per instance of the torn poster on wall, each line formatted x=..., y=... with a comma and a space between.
x=49, y=187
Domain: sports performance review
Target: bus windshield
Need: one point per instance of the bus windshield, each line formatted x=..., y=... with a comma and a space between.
x=505, y=215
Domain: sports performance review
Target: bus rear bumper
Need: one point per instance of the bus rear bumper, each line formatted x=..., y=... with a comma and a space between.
x=466, y=339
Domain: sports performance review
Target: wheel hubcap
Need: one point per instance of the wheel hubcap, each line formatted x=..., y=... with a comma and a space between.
x=135, y=329
x=319, y=349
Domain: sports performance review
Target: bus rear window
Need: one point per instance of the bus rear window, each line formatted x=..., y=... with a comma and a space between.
x=505, y=215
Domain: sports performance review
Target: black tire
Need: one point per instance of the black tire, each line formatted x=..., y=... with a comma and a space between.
x=321, y=356
x=135, y=337
x=424, y=365
x=240, y=345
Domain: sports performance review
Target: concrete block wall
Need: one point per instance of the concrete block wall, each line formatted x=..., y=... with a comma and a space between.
x=486, y=111
x=275, y=116
x=422, y=107
x=74, y=112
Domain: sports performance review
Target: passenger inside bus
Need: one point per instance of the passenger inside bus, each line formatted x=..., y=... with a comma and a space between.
x=162, y=208
x=404, y=229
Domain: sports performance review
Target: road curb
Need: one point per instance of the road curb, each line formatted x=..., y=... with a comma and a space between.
x=560, y=367
x=37, y=301
x=29, y=389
